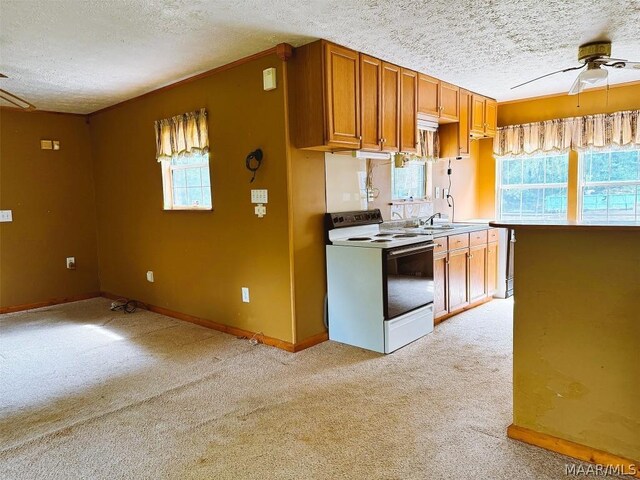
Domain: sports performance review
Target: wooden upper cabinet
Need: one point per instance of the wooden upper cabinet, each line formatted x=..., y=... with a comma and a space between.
x=484, y=115
x=370, y=92
x=408, y=111
x=428, y=90
x=491, y=117
x=342, y=100
x=390, y=107
x=449, y=102
x=464, y=140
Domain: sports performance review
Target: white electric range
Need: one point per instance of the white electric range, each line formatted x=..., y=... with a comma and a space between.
x=379, y=282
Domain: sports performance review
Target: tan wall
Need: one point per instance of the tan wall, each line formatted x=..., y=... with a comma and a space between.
x=538, y=109
x=200, y=259
x=576, y=335
x=52, y=197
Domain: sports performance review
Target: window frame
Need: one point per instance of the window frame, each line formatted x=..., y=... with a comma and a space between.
x=526, y=186
x=424, y=195
x=167, y=184
x=609, y=183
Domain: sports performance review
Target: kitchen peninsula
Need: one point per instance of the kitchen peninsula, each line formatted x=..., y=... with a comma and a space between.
x=576, y=361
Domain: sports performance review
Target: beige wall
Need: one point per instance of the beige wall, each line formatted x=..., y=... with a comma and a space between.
x=52, y=197
x=200, y=259
x=576, y=336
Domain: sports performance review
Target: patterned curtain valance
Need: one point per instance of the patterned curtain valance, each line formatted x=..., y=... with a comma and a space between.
x=182, y=134
x=620, y=129
x=428, y=144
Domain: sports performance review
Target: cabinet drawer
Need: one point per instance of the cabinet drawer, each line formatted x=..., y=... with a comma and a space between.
x=441, y=245
x=458, y=241
x=478, y=238
x=493, y=235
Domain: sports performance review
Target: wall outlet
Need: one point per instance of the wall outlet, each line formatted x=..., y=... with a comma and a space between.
x=245, y=294
x=260, y=210
x=6, y=216
x=437, y=192
x=445, y=192
x=150, y=276
x=259, y=196
x=71, y=263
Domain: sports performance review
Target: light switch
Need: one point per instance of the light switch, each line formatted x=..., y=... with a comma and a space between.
x=259, y=196
x=46, y=144
x=56, y=145
x=269, y=79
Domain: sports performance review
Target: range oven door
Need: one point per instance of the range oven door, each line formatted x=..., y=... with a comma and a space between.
x=407, y=278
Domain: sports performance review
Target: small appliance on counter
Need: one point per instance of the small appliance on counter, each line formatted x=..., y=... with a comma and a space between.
x=379, y=283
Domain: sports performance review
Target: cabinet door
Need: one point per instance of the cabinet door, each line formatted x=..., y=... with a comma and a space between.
x=458, y=272
x=408, y=111
x=370, y=90
x=463, y=127
x=428, y=89
x=390, y=111
x=477, y=273
x=449, y=102
x=477, y=116
x=342, y=87
x=440, y=300
x=491, y=117
x=492, y=267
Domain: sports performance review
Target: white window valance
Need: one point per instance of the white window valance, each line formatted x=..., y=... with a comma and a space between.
x=610, y=130
x=184, y=133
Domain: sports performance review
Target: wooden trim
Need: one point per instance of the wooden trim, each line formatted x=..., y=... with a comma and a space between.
x=208, y=73
x=238, y=332
x=284, y=51
x=573, y=450
x=16, y=109
x=48, y=303
x=311, y=341
x=564, y=94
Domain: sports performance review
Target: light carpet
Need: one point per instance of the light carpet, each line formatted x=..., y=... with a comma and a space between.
x=94, y=394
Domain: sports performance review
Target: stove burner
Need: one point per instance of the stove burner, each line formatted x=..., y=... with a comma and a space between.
x=381, y=240
x=384, y=234
x=406, y=235
x=358, y=239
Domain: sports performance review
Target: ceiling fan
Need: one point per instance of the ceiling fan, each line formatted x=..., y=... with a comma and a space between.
x=14, y=99
x=594, y=56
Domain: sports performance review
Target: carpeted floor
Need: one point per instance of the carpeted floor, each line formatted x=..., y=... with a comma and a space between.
x=92, y=394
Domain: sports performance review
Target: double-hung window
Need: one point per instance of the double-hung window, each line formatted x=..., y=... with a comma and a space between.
x=532, y=188
x=610, y=185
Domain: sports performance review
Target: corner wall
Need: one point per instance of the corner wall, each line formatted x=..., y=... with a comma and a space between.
x=200, y=259
x=51, y=195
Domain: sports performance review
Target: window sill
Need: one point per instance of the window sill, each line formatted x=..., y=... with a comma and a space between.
x=188, y=209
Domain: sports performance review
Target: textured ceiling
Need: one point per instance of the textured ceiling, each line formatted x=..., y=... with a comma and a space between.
x=80, y=56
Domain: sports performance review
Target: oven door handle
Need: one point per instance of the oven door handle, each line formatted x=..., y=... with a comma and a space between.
x=403, y=251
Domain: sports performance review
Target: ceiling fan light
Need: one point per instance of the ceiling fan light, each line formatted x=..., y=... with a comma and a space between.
x=593, y=75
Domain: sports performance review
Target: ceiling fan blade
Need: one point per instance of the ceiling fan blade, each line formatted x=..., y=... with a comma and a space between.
x=549, y=74
x=623, y=64
x=608, y=60
x=577, y=86
x=15, y=100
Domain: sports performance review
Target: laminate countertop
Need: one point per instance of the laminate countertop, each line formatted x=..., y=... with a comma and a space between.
x=567, y=225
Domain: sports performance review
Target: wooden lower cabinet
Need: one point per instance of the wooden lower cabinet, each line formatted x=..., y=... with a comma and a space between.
x=477, y=273
x=440, y=300
x=465, y=276
x=458, y=273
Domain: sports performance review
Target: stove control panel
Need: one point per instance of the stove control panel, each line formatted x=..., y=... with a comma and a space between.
x=353, y=219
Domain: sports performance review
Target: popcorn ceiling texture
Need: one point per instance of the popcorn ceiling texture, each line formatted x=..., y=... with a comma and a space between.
x=80, y=56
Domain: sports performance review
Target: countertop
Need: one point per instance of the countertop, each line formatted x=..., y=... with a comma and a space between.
x=566, y=225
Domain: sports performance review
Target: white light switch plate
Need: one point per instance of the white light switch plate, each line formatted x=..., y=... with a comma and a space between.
x=245, y=294
x=6, y=216
x=259, y=196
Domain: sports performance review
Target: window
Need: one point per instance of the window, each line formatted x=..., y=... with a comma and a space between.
x=532, y=188
x=610, y=185
x=409, y=181
x=187, y=184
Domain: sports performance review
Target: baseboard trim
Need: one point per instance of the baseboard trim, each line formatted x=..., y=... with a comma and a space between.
x=572, y=449
x=238, y=332
x=50, y=302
